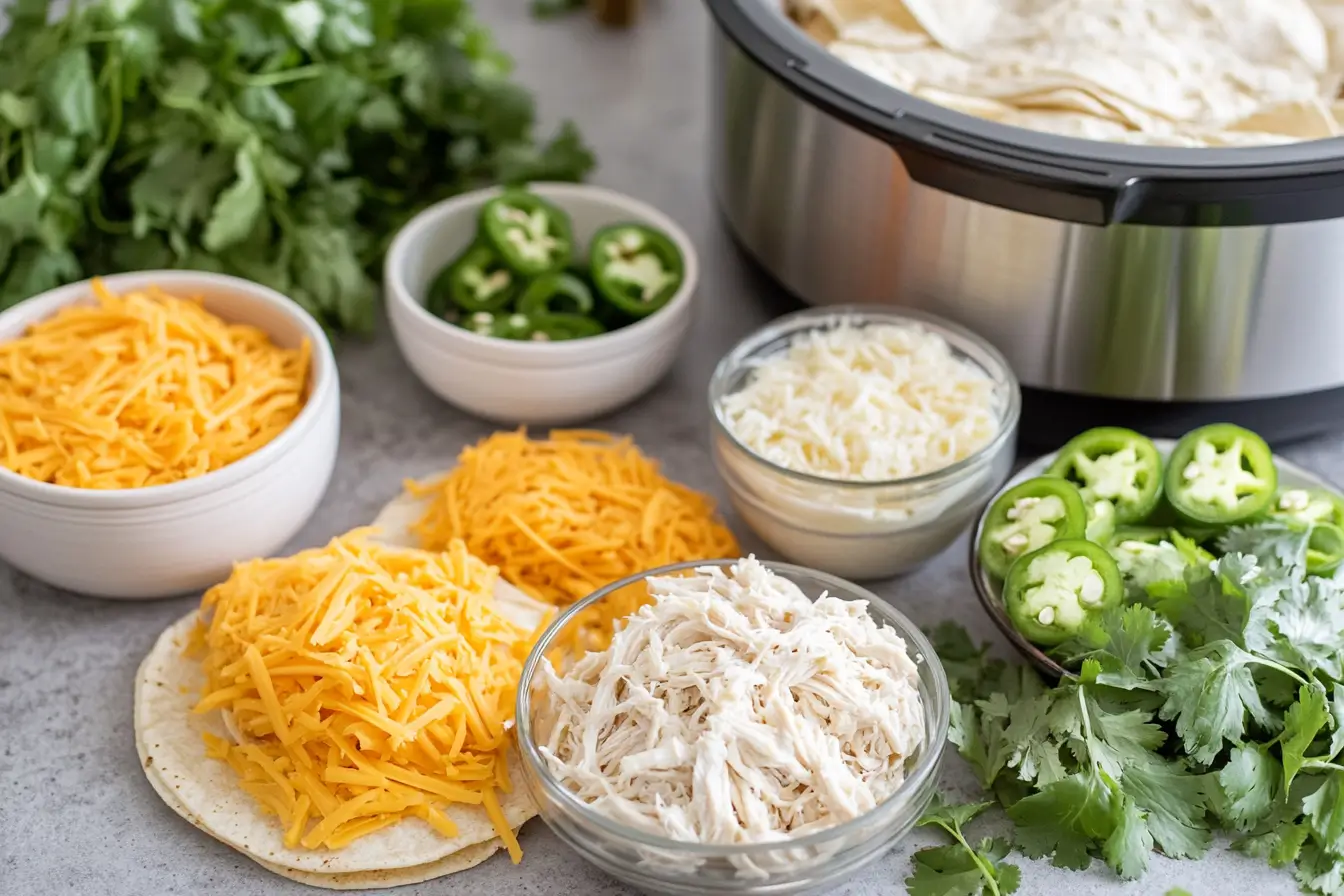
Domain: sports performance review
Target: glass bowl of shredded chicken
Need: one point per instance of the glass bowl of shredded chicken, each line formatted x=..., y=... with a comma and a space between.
x=862, y=440
x=750, y=727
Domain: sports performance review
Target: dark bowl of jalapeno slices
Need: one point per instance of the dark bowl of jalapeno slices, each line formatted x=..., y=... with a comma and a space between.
x=548, y=304
x=1115, y=518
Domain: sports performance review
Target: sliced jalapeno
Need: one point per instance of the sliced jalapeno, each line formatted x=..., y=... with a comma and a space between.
x=556, y=327
x=1308, y=506
x=556, y=292
x=1116, y=465
x=1051, y=592
x=1026, y=518
x=1144, y=534
x=1221, y=474
x=1100, y=521
x=1147, y=555
x=501, y=326
x=1325, y=549
x=636, y=268
x=477, y=280
x=531, y=235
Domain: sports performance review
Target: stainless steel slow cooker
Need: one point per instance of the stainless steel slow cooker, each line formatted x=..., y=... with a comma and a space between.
x=1155, y=287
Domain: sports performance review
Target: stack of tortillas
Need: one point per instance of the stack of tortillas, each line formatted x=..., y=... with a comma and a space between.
x=1161, y=72
x=206, y=792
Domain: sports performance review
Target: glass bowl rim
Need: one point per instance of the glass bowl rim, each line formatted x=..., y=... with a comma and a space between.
x=823, y=318
x=936, y=720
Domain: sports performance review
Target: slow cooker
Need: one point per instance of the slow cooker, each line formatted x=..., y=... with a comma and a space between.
x=1159, y=288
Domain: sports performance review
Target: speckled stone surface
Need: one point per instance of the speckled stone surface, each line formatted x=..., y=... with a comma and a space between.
x=76, y=815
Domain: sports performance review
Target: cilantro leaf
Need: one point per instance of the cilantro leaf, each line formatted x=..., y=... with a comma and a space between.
x=1127, y=849
x=950, y=816
x=1306, y=619
x=1211, y=604
x=1275, y=546
x=1320, y=872
x=965, y=664
x=1324, y=812
x=1129, y=644
x=1209, y=693
x=1250, y=784
x=1176, y=803
x=1337, y=722
x=1067, y=819
x=1303, y=721
x=70, y=93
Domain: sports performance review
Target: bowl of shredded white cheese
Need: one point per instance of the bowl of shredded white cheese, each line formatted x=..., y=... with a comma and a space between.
x=862, y=440
x=750, y=727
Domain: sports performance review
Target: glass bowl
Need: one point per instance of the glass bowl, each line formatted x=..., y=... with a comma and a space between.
x=654, y=864
x=860, y=529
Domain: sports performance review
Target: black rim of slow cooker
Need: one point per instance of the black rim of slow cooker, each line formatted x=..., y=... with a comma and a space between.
x=1065, y=178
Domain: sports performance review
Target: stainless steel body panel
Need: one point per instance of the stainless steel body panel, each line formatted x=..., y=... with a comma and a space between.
x=1126, y=311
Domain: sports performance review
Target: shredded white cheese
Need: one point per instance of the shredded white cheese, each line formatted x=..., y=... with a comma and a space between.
x=732, y=709
x=865, y=403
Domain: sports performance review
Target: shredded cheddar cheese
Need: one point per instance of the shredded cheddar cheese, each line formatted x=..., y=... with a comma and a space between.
x=366, y=684
x=142, y=389
x=563, y=516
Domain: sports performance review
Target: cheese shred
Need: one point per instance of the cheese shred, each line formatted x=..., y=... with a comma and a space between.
x=142, y=389
x=365, y=684
x=564, y=516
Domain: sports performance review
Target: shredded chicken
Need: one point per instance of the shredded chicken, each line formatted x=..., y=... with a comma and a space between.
x=732, y=709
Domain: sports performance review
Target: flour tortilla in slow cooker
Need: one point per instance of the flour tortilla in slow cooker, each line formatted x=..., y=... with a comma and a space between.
x=1157, y=72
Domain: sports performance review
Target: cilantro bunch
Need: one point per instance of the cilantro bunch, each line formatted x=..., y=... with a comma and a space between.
x=280, y=140
x=1214, y=701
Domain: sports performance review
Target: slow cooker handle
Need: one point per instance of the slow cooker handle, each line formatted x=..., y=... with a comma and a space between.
x=994, y=172
x=1001, y=175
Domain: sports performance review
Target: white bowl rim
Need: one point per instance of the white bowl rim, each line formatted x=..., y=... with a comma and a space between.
x=630, y=336
x=322, y=369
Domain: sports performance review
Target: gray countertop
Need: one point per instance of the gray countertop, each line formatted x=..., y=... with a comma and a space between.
x=76, y=815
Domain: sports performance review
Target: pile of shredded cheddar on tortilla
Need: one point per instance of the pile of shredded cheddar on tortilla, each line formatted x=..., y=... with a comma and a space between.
x=365, y=684
x=142, y=389
x=564, y=516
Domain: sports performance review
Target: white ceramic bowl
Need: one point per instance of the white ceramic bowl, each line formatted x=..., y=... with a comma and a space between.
x=173, y=539
x=542, y=383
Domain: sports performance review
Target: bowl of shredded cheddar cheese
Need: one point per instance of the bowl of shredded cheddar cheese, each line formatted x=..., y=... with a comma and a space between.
x=157, y=426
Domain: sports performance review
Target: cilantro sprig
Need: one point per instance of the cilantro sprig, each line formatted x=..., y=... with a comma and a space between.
x=961, y=869
x=280, y=140
x=1213, y=702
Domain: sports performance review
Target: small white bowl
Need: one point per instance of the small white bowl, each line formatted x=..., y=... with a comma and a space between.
x=543, y=383
x=172, y=539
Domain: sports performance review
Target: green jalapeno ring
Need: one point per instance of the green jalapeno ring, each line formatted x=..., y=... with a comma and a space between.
x=1052, y=591
x=1142, y=534
x=1101, y=521
x=1113, y=464
x=636, y=268
x=555, y=293
x=1221, y=474
x=476, y=280
x=1308, y=507
x=558, y=327
x=1325, y=549
x=531, y=235
x=495, y=324
x=1027, y=517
